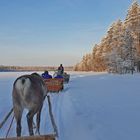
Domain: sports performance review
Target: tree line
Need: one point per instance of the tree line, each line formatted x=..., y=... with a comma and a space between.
x=119, y=49
x=31, y=68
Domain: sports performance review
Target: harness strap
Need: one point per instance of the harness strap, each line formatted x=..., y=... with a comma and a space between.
x=51, y=116
x=6, y=118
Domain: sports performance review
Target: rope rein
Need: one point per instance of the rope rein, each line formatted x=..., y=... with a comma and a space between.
x=6, y=118
x=9, y=127
x=51, y=116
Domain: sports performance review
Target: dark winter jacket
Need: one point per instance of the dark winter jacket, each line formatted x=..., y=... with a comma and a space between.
x=46, y=76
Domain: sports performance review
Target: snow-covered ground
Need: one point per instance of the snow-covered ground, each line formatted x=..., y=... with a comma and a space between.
x=92, y=106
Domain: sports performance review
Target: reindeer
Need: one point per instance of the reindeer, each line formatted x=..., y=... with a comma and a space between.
x=29, y=91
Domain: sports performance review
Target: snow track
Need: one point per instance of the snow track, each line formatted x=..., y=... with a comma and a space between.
x=91, y=106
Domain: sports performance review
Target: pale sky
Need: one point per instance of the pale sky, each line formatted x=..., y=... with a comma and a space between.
x=51, y=32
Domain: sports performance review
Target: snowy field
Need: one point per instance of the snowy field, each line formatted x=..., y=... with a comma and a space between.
x=92, y=106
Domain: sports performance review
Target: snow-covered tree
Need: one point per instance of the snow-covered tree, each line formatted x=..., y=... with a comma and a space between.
x=120, y=45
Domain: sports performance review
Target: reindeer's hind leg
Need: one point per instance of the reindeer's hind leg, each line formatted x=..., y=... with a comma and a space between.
x=30, y=116
x=18, y=116
x=38, y=120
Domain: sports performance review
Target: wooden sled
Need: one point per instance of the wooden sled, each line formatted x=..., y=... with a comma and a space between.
x=54, y=84
x=41, y=137
x=66, y=77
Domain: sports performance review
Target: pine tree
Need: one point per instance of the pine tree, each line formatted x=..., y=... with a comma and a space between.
x=120, y=45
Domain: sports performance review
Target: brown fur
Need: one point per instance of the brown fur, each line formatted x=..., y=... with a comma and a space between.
x=29, y=92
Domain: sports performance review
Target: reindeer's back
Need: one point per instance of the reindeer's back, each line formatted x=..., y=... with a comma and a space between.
x=28, y=91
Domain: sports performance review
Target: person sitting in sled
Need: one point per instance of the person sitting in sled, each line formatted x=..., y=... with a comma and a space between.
x=46, y=75
x=61, y=69
x=59, y=75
